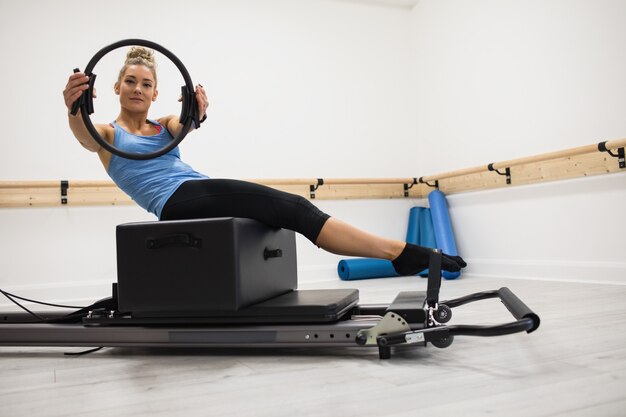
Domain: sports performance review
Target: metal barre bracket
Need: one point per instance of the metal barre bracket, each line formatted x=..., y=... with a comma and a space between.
x=421, y=180
x=620, y=153
x=64, y=186
x=506, y=173
x=407, y=187
x=314, y=187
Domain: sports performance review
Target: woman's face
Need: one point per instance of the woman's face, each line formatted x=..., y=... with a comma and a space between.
x=137, y=88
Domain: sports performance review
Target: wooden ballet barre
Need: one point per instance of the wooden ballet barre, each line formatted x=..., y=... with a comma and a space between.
x=56, y=184
x=339, y=188
x=276, y=181
x=335, y=181
x=570, y=163
x=611, y=145
x=587, y=149
x=105, y=192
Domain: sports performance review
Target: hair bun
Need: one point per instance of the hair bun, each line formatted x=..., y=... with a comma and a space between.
x=139, y=53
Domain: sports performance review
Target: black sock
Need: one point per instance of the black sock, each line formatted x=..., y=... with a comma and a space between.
x=415, y=259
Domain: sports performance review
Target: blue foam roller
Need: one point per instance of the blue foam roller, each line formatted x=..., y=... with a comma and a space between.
x=420, y=230
x=364, y=268
x=416, y=215
x=426, y=234
x=442, y=226
x=427, y=231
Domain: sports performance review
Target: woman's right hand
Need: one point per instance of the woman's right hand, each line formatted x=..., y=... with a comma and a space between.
x=76, y=84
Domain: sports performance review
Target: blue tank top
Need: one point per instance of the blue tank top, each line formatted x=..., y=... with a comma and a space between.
x=150, y=183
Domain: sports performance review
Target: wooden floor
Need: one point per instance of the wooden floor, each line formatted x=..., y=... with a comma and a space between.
x=574, y=365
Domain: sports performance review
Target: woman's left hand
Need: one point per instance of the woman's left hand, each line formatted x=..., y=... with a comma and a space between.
x=203, y=101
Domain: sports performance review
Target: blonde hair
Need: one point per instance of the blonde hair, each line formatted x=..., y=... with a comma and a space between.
x=138, y=55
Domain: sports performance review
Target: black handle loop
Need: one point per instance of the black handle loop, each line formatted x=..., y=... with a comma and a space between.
x=79, y=100
x=434, y=278
x=272, y=253
x=181, y=239
x=189, y=113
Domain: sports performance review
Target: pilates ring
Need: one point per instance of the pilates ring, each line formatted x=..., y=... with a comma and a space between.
x=189, y=112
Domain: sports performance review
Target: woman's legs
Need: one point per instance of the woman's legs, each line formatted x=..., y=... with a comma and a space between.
x=407, y=259
x=232, y=198
x=222, y=198
x=343, y=239
x=197, y=199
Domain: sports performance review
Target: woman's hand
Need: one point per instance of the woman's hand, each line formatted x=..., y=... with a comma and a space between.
x=77, y=83
x=172, y=122
x=203, y=101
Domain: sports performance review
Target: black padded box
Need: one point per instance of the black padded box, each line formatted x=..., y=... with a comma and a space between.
x=190, y=268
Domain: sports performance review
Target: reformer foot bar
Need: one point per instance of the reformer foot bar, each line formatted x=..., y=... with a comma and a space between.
x=412, y=319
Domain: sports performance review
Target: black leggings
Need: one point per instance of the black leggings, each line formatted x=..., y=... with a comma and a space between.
x=196, y=199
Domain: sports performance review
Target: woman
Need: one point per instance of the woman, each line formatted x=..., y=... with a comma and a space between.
x=172, y=190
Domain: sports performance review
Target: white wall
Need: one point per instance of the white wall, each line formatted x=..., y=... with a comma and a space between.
x=321, y=88
x=568, y=230
x=302, y=88
x=498, y=80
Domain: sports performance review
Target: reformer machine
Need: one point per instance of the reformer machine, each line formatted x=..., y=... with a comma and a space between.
x=232, y=282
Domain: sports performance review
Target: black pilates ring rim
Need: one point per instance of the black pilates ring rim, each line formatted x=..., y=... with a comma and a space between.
x=189, y=113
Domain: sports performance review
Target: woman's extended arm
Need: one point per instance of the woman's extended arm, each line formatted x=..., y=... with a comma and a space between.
x=172, y=122
x=76, y=84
